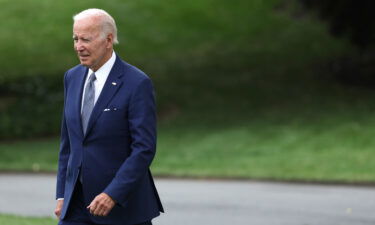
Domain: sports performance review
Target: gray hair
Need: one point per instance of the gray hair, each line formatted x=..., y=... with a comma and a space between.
x=108, y=24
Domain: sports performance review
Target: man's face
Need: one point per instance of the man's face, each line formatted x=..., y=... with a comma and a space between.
x=92, y=49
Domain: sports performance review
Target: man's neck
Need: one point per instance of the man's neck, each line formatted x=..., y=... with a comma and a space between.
x=105, y=59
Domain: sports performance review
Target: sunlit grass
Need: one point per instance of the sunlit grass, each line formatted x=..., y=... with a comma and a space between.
x=237, y=88
x=327, y=148
x=19, y=220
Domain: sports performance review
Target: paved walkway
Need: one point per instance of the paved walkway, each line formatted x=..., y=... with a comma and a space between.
x=196, y=202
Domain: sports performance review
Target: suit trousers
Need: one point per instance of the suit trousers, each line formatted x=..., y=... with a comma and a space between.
x=77, y=213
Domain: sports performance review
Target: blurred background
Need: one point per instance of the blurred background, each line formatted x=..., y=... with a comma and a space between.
x=259, y=89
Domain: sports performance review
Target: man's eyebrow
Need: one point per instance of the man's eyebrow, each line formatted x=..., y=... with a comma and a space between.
x=83, y=37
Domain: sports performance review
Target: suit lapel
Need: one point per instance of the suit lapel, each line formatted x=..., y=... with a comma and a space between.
x=111, y=86
x=79, y=84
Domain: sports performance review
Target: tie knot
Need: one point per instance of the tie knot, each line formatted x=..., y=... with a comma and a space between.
x=92, y=77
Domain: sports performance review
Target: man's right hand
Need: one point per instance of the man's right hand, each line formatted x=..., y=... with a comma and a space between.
x=58, y=209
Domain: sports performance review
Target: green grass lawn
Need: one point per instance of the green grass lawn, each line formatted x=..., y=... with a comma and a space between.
x=240, y=89
x=311, y=148
x=18, y=220
x=156, y=35
x=34, y=155
x=323, y=149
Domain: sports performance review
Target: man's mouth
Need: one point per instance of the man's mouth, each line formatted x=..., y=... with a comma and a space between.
x=83, y=57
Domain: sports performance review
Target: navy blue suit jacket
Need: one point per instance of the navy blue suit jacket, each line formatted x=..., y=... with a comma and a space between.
x=115, y=153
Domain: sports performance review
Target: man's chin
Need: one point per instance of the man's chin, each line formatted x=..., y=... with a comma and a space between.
x=84, y=63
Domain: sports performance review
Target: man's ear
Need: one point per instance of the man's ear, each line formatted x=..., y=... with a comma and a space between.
x=110, y=40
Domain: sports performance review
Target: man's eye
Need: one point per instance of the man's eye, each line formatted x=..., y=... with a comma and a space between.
x=82, y=39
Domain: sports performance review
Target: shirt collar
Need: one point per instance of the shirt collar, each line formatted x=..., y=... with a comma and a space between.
x=103, y=72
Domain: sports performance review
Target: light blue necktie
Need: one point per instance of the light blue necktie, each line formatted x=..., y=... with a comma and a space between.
x=88, y=101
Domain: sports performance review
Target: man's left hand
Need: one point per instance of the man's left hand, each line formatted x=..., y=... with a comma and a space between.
x=101, y=205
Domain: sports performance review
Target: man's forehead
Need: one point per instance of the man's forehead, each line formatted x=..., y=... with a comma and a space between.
x=89, y=21
x=89, y=28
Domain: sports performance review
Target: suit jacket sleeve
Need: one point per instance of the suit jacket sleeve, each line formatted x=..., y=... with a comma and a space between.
x=64, y=153
x=142, y=126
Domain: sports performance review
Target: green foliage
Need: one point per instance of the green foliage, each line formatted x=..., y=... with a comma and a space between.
x=348, y=18
x=37, y=36
x=353, y=20
x=168, y=40
x=30, y=105
x=238, y=88
x=208, y=59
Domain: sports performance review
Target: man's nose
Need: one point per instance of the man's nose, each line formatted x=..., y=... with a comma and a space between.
x=78, y=47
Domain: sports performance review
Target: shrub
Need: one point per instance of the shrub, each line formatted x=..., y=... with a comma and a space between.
x=30, y=106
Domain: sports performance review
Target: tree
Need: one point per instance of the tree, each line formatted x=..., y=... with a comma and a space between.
x=354, y=20
x=348, y=17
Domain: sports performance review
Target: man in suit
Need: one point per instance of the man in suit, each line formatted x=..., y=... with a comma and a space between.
x=108, y=135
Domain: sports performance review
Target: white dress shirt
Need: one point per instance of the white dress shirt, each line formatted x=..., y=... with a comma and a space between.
x=101, y=77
